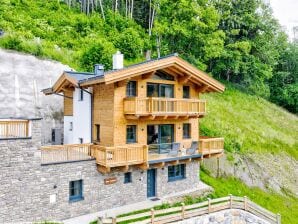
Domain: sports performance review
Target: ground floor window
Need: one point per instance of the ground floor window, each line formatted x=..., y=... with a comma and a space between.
x=76, y=190
x=127, y=177
x=176, y=172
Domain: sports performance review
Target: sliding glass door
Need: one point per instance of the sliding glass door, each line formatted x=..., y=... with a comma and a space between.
x=160, y=137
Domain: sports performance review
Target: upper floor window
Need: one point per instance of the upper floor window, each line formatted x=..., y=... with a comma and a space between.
x=160, y=90
x=131, y=88
x=81, y=95
x=76, y=190
x=176, y=172
x=186, y=92
x=161, y=75
x=186, y=131
x=131, y=134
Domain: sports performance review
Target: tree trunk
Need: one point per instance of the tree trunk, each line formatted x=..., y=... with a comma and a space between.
x=101, y=9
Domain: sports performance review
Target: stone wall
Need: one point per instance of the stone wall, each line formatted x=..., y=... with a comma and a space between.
x=26, y=186
x=234, y=216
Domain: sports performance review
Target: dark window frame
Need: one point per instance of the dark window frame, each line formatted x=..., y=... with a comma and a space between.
x=132, y=140
x=186, y=95
x=176, y=172
x=70, y=126
x=76, y=185
x=131, y=89
x=127, y=177
x=188, y=125
x=81, y=95
x=97, y=132
x=81, y=140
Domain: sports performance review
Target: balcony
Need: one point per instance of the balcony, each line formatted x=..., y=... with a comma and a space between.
x=122, y=157
x=14, y=129
x=152, y=107
x=209, y=147
x=65, y=153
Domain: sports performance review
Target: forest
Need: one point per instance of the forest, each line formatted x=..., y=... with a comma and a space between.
x=236, y=41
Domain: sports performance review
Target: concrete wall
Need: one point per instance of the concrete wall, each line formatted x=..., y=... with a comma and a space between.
x=81, y=117
x=26, y=187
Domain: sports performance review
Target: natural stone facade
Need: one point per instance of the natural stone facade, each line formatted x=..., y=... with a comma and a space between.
x=27, y=186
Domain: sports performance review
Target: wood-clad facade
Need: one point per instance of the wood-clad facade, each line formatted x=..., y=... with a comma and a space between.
x=145, y=115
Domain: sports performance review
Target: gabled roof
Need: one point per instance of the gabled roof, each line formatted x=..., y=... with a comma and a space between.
x=171, y=64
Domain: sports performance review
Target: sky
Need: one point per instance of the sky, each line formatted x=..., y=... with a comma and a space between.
x=286, y=11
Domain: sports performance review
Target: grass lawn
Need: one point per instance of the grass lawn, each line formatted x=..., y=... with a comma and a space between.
x=285, y=205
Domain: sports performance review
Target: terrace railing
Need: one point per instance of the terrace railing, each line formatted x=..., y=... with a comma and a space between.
x=14, y=129
x=64, y=153
x=120, y=155
x=163, y=106
x=209, y=146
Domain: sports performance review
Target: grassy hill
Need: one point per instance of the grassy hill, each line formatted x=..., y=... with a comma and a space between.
x=249, y=123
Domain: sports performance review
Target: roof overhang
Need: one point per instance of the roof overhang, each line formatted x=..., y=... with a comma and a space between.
x=170, y=64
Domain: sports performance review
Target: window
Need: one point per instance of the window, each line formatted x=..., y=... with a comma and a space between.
x=186, y=130
x=127, y=178
x=176, y=172
x=131, y=134
x=81, y=95
x=70, y=126
x=97, y=128
x=81, y=140
x=186, y=92
x=131, y=88
x=76, y=190
x=160, y=90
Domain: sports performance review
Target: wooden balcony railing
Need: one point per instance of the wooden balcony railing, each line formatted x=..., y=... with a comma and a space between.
x=64, y=153
x=14, y=129
x=120, y=155
x=164, y=106
x=210, y=146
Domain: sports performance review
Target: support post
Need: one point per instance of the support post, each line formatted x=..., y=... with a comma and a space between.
x=245, y=203
x=183, y=211
x=278, y=217
x=152, y=216
x=231, y=199
x=209, y=205
x=114, y=221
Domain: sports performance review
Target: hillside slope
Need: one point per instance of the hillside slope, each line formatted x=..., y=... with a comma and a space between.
x=260, y=140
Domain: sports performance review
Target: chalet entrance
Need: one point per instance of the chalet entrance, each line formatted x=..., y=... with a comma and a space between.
x=160, y=137
x=151, y=183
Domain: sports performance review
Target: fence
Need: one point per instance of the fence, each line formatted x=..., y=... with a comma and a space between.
x=14, y=128
x=183, y=212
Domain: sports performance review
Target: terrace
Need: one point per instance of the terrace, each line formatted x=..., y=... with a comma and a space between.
x=122, y=157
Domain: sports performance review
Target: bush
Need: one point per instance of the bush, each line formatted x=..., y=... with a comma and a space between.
x=12, y=42
x=99, y=53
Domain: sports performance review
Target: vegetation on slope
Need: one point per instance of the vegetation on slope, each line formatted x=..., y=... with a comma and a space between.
x=236, y=40
x=287, y=206
x=249, y=123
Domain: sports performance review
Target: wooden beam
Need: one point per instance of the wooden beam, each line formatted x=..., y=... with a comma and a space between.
x=132, y=117
x=175, y=162
x=202, y=88
x=143, y=166
x=103, y=169
x=122, y=83
x=185, y=160
x=158, y=165
x=124, y=168
x=148, y=75
x=184, y=79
